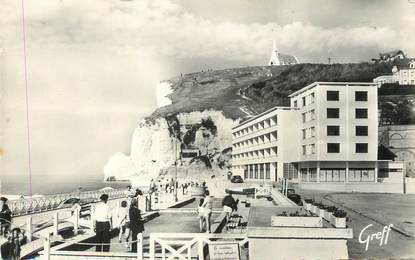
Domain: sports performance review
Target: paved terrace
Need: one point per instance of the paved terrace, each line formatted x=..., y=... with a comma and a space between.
x=174, y=220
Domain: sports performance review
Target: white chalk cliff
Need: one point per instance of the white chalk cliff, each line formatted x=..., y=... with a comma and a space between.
x=154, y=148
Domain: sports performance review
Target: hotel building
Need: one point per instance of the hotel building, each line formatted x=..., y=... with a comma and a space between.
x=327, y=138
x=261, y=145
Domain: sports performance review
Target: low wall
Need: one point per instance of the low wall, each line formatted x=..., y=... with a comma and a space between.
x=281, y=200
x=297, y=249
x=355, y=187
x=410, y=185
x=298, y=243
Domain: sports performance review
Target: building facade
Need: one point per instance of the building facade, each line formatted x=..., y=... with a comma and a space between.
x=403, y=73
x=278, y=59
x=262, y=144
x=400, y=139
x=328, y=137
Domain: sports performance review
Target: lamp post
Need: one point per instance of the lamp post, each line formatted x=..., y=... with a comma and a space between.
x=175, y=171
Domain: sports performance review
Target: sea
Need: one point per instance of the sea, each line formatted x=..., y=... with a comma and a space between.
x=45, y=184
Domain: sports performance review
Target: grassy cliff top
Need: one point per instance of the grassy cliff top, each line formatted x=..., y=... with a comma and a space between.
x=241, y=92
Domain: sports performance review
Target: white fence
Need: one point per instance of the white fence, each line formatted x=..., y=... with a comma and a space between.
x=187, y=246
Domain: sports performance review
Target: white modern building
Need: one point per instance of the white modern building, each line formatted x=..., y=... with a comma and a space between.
x=328, y=138
x=262, y=144
x=403, y=73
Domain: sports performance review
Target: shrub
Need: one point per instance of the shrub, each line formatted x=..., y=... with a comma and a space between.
x=340, y=213
x=296, y=214
x=283, y=214
x=210, y=125
x=320, y=205
x=310, y=201
x=331, y=209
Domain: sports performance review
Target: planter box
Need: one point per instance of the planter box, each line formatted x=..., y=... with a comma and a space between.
x=287, y=221
x=338, y=222
x=328, y=215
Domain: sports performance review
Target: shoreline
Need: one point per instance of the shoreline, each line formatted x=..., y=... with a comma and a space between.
x=10, y=196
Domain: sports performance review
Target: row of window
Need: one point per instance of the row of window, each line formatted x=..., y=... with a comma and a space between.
x=338, y=175
x=308, y=116
x=308, y=132
x=334, y=130
x=270, y=137
x=335, y=113
x=257, y=154
x=333, y=95
x=360, y=130
x=334, y=148
x=256, y=171
x=256, y=127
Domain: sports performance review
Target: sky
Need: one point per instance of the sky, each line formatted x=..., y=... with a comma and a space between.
x=92, y=66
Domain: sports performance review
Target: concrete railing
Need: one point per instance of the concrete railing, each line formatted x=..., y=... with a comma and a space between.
x=49, y=202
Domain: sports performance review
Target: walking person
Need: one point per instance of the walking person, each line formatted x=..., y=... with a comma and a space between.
x=207, y=209
x=102, y=224
x=76, y=207
x=201, y=214
x=5, y=216
x=123, y=223
x=136, y=224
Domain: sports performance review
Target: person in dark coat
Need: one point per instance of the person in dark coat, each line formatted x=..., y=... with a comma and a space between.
x=229, y=205
x=136, y=224
x=5, y=216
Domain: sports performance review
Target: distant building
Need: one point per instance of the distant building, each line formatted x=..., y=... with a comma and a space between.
x=390, y=56
x=400, y=139
x=278, y=58
x=327, y=139
x=403, y=73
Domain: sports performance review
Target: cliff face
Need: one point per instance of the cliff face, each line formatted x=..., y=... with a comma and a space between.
x=158, y=143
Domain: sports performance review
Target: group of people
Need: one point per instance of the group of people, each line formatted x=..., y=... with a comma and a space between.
x=127, y=220
x=5, y=217
x=205, y=207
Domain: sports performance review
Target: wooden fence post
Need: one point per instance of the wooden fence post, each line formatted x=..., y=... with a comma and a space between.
x=139, y=246
x=152, y=248
x=29, y=228
x=46, y=247
x=55, y=223
x=76, y=221
x=92, y=218
x=200, y=249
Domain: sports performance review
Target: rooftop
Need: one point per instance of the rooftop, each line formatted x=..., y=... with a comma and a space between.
x=403, y=63
x=312, y=85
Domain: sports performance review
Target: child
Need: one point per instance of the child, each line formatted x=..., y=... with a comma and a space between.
x=123, y=223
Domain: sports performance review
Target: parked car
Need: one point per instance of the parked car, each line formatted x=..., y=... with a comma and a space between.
x=237, y=179
x=289, y=192
x=296, y=198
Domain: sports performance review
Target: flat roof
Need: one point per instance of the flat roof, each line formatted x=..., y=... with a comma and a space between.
x=312, y=85
x=264, y=113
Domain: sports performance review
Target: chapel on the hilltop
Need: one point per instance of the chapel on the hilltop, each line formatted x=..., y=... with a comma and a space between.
x=278, y=58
